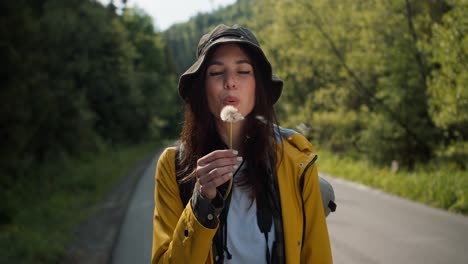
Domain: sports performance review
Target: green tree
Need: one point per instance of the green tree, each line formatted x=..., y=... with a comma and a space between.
x=182, y=39
x=448, y=93
x=354, y=73
x=152, y=76
x=74, y=75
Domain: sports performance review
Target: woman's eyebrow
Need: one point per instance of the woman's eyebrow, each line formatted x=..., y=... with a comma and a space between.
x=215, y=62
x=243, y=61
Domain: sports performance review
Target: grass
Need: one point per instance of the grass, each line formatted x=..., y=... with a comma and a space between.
x=48, y=205
x=437, y=185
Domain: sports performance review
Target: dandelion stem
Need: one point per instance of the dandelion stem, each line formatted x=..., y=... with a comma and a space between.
x=232, y=178
x=228, y=189
x=230, y=136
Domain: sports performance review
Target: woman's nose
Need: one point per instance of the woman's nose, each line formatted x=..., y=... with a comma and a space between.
x=230, y=81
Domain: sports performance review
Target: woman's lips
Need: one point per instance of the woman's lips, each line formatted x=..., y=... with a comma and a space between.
x=231, y=100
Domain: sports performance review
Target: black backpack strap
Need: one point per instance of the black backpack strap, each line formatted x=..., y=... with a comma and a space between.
x=301, y=189
x=265, y=218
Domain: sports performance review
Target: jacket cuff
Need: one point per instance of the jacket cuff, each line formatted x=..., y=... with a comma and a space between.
x=207, y=211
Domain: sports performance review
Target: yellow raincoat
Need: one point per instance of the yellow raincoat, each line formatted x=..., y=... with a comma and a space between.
x=178, y=237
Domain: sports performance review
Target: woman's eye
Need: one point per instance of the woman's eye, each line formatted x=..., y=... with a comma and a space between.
x=215, y=73
x=244, y=72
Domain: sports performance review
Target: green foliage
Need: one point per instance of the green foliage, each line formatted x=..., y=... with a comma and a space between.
x=153, y=77
x=437, y=184
x=47, y=206
x=42, y=110
x=381, y=79
x=447, y=85
x=77, y=77
x=183, y=38
x=356, y=73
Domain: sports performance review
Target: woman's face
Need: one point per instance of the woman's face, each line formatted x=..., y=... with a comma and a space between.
x=230, y=80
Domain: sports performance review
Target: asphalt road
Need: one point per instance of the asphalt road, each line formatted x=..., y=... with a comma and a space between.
x=368, y=227
x=136, y=235
x=373, y=227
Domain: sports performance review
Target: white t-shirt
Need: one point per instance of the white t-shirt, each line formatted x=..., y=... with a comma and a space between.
x=244, y=240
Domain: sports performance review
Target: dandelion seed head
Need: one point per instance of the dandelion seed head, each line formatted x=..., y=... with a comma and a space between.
x=230, y=114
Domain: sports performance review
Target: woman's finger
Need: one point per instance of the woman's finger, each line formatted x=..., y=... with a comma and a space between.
x=217, y=154
x=214, y=183
x=218, y=163
x=216, y=168
x=216, y=173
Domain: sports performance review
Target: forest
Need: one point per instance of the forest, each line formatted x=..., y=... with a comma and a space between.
x=385, y=80
x=379, y=80
x=80, y=82
x=378, y=86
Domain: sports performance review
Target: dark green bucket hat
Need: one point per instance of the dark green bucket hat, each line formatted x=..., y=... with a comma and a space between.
x=222, y=34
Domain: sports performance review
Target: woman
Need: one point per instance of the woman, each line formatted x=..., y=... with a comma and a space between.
x=273, y=213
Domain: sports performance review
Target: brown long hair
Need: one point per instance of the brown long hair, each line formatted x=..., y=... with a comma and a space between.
x=199, y=135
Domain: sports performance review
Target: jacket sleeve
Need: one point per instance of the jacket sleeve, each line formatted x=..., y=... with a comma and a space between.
x=316, y=248
x=178, y=237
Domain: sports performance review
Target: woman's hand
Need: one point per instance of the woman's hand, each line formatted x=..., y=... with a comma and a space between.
x=214, y=169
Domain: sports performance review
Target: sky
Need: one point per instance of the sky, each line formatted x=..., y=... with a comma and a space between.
x=167, y=12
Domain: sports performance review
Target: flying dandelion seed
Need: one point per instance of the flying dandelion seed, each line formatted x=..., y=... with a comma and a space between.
x=261, y=119
x=303, y=128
